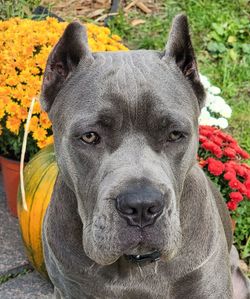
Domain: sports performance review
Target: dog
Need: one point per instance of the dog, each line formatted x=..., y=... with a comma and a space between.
x=132, y=215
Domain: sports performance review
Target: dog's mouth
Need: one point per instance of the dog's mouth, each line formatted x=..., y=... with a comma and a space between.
x=142, y=258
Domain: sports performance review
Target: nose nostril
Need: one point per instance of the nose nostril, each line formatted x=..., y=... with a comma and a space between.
x=140, y=207
x=130, y=211
x=154, y=210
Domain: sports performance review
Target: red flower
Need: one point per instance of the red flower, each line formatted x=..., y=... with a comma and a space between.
x=229, y=166
x=215, y=167
x=213, y=148
x=229, y=152
x=226, y=137
x=202, y=138
x=244, y=154
x=242, y=188
x=241, y=171
x=229, y=175
x=248, y=193
x=236, y=196
x=214, y=145
x=206, y=130
x=246, y=166
x=217, y=140
x=232, y=205
x=247, y=183
x=236, y=184
x=240, y=151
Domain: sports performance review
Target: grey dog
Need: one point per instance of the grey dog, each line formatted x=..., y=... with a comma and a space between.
x=132, y=215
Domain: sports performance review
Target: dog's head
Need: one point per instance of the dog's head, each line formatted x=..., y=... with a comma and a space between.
x=125, y=128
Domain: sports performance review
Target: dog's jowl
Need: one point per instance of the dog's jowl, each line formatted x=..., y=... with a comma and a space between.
x=132, y=215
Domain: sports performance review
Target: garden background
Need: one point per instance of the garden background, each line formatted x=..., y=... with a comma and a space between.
x=221, y=37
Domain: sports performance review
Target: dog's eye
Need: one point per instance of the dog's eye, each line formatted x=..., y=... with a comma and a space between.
x=90, y=138
x=175, y=136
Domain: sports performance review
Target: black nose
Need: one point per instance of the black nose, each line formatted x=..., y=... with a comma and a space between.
x=140, y=205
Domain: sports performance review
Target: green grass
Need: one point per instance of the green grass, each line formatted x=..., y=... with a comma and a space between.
x=17, y=8
x=220, y=34
x=5, y=277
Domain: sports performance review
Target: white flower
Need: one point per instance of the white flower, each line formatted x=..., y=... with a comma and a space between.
x=205, y=118
x=227, y=111
x=210, y=98
x=214, y=104
x=209, y=121
x=204, y=81
x=204, y=113
x=217, y=106
x=214, y=90
x=222, y=122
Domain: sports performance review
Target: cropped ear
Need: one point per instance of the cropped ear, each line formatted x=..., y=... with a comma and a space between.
x=179, y=48
x=64, y=58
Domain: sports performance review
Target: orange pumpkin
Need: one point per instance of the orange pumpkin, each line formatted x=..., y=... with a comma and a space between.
x=39, y=179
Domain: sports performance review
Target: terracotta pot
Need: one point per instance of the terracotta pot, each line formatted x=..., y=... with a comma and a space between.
x=10, y=169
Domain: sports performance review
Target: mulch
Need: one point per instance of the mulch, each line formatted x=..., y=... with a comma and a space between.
x=98, y=10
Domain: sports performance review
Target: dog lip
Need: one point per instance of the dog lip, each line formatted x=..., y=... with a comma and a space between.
x=141, y=258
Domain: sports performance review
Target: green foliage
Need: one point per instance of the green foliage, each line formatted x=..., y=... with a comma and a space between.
x=241, y=235
x=11, y=144
x=17, y=8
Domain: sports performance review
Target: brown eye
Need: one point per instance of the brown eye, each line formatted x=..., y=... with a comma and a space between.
x=90, y=138
x=175, y=136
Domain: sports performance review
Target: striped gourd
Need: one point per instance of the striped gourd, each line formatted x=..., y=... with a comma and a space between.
x=39, y=179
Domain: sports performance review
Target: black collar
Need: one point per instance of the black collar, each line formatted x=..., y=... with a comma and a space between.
x=152, y=257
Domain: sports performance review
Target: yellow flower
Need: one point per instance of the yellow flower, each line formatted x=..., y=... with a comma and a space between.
x=22, y=113
x=12, y=108
x=2, y=109
x=44, y=120
x=39, y=134
x=11, y=81
x=47, y=141
x=33, y=123
x=116, y=37
x=13, y=124
x=41, y=143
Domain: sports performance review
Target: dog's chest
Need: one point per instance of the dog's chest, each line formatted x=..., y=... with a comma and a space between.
x=106, y=282
x=135, y=282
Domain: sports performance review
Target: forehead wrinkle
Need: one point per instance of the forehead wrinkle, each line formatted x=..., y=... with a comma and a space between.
x=125, y=83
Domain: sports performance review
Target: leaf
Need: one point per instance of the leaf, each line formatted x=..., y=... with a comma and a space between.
x=216, y=47
x=246, y=48
x=218, y=28
x=233, y=55
x=231, y=39
x=137, y=22
x=214, y=35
